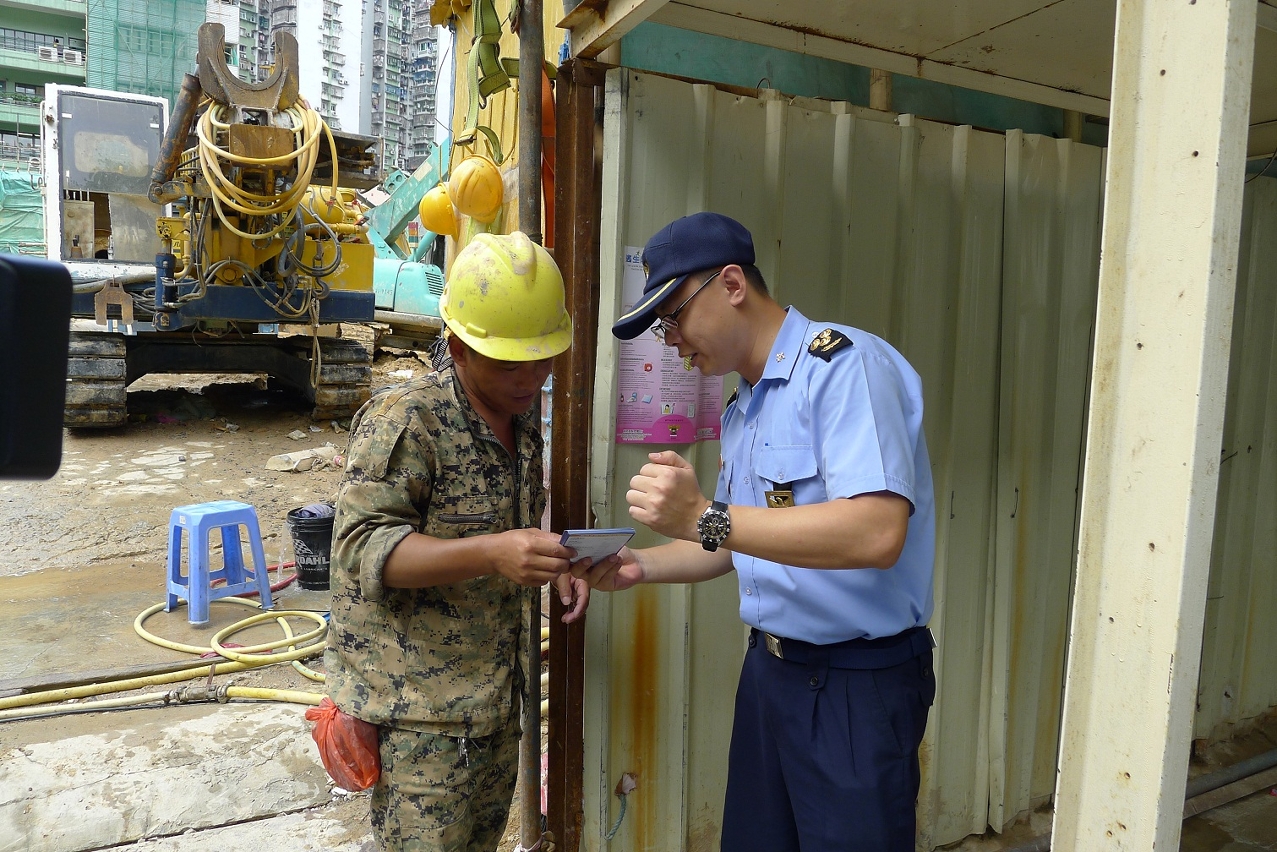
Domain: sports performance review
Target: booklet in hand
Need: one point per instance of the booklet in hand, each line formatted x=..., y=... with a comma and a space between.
x=596, y=544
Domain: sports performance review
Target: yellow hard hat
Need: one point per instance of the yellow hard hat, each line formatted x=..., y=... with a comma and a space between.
x=475, y=189
x=504, y=298
x=435, y=210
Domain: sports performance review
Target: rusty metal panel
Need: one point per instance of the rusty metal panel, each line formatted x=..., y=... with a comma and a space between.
x=1238, y=679
x=897, y=227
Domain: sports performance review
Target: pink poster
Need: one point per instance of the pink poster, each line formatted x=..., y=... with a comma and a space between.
x=662, y=399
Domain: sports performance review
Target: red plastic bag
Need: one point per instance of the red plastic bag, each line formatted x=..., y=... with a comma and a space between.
x=347, y=746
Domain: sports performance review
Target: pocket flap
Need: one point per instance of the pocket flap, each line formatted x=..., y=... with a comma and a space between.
x=786, y=464
x=468, y=510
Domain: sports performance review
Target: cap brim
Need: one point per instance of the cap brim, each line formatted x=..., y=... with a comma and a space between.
x=642, y=316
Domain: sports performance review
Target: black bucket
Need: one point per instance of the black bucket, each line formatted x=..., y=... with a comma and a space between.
x=312, y=529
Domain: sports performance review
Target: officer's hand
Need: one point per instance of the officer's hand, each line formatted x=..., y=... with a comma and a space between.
x=529, y=557
x=573, y=594
x=613, y=574
x=666, y=497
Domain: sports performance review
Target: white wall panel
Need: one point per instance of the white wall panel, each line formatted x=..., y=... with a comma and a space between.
x=1238, y=680
x=1050, y=272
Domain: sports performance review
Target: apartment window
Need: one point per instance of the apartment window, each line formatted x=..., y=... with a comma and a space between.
x=27, y=41
x=24, y=89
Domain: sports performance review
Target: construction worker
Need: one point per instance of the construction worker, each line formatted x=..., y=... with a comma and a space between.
x=437, y=548
x=824, y=508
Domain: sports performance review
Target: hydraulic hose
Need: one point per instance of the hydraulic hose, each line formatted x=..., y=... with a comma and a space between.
x=308, y=127
x=180, y=696
x=246, y=658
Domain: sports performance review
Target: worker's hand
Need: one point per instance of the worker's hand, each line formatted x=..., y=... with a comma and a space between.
x=613, y=574
x=529, y=557
x=574, y=594
x=666, y=497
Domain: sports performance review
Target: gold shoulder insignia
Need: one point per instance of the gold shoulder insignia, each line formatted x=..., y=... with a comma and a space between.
x=825, y=344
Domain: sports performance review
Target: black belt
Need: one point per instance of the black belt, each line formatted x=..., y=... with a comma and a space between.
x=854, y=653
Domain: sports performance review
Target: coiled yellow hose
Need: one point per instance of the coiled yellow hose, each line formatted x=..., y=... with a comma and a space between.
x=308, y=127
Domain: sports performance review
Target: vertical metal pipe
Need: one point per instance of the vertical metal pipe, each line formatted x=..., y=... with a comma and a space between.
x=880, y=89
x=577, y=210
x=531, y=57
x=1073, y=125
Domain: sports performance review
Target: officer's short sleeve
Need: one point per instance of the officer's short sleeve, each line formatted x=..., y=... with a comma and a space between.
x=865, y=416
x=388, y=475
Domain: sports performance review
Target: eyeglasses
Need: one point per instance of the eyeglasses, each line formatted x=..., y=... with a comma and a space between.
x=664, y=325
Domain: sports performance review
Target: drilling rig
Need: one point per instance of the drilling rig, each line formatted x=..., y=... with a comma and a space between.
x=227, y=237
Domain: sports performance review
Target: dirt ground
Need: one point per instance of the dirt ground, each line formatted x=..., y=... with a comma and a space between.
x=84, y=553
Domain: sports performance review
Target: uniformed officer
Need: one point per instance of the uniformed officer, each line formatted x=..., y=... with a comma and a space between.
x=437, y=548
x=824, y=508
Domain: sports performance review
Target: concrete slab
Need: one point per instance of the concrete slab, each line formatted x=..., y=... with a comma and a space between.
x=154, y=773
x=339, y=826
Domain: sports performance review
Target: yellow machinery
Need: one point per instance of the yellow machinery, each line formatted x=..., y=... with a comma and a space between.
x=264, y=253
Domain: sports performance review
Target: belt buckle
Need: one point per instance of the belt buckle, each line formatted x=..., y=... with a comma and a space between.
x=773, y=645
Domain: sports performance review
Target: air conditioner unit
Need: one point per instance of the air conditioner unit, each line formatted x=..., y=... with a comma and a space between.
x=49, y=53
x=73, y=57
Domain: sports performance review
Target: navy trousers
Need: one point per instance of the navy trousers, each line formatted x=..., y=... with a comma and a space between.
x=824, y=758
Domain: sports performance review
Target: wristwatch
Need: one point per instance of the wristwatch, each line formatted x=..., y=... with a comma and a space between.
x=714, y=525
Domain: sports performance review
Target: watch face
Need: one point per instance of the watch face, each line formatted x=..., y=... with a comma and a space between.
x=714, y=525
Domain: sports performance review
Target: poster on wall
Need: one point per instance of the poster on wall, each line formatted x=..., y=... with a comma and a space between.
x=662, y=398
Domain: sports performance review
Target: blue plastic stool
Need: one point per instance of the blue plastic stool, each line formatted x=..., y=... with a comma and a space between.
x=196, y=587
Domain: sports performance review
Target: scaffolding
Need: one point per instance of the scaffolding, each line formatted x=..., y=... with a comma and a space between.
x=142, y=46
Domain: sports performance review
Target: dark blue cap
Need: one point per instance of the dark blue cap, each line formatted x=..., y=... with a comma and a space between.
x=684, y=246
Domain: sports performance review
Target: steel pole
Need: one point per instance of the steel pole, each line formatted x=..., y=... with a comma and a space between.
x=531, y=57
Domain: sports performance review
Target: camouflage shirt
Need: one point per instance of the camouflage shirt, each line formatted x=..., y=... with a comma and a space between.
x=441, y=659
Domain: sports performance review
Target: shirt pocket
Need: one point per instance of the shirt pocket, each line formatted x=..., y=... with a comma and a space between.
x=786, y=463
x=458, y=517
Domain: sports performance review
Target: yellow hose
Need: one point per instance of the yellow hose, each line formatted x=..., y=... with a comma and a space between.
x=106, y=704
x=251, y=693
x=308, y=127
x=241, y=659
x=292, y=696
x=243, y=655
x=88, y=690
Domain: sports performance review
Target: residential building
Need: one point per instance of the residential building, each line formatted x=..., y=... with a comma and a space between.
x=40, y=42
x=423, y=85
x=246, y=36
x=390, y=77
x=142, y=46
x=368, y=66
x=330, y=39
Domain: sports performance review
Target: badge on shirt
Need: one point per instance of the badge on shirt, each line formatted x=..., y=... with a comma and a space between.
x=779, y=499
x=825, y=344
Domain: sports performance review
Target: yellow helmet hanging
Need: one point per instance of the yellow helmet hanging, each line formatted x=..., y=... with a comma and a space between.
x=437, y=215
x=475, y=189
x=504, y=298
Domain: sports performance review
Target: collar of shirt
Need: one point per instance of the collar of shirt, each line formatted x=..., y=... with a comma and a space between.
x=784, y=354
x=525, y=430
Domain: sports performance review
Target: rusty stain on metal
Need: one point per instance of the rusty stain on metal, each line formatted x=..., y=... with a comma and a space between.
x=645, y=655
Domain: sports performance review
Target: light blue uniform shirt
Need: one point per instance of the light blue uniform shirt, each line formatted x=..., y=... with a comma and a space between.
x=825, y=430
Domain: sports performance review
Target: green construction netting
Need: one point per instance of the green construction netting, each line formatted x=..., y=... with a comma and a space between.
x=142, y=46
x=21, y=213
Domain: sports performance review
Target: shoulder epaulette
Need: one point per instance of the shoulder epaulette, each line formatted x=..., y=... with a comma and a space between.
x=825, y=344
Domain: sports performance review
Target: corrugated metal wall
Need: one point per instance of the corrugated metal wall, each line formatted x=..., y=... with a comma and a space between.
x=1238, y=679
x=976, y=254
